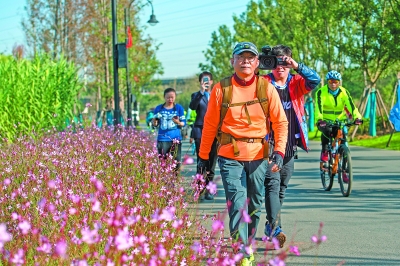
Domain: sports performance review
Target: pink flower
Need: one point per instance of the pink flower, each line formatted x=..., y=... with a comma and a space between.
x=276, y=243
x=18, y=258
x=61, y=249
x=317, y=240
x=51, y=184
x=99, y=185
x=4, y=235
x=187, y=160
x=14, y=216
x=90, y=236
x=155, y=217
x=162, y=252
x=24, y=226
x=123, y=240
x=88, y=105
x=177, y=223
x=245, y=217
x=96, y=206
x=294, y=250
x=72, y=211
x=45, y=247
x=276, y=262
x=218, y=225
x=167, y=214
x=212, y=188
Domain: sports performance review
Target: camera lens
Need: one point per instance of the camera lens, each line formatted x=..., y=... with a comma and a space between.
x=267, y=62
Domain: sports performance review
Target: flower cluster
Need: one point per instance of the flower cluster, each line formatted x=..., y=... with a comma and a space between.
x=104, y=197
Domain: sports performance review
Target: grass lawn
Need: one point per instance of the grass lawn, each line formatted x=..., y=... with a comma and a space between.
x=378, y=142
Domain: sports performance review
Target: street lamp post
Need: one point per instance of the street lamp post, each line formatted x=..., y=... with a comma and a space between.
x=152, y=21
x=117, y=110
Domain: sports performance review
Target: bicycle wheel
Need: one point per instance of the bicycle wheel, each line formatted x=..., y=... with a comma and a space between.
x=345, y=171
x=326, y=175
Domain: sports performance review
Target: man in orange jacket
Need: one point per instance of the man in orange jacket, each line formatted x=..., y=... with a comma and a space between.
x=243, y=173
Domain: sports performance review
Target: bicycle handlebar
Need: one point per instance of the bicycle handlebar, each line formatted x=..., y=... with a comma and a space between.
x=340, y=124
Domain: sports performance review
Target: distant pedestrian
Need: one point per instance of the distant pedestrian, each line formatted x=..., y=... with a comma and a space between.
x=170, y=118
x=199, y=104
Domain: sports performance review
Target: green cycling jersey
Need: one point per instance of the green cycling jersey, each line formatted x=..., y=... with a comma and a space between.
x=330, y=107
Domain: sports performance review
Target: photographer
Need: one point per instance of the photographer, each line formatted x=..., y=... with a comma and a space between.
x=170, y=118
x=199, y=104
x=291, y=89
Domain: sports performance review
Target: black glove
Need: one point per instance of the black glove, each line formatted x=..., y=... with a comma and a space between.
x=358, y=121
x=203, y=166
x=321, y=123
x=277, y=159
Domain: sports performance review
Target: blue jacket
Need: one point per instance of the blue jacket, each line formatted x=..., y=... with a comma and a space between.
x=168, y=130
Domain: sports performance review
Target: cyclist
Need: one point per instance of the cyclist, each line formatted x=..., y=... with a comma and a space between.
x=333, y=102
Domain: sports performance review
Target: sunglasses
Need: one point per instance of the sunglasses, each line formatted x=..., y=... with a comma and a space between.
x=333, y=81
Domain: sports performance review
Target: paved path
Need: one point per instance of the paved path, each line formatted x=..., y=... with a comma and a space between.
x=362, y=229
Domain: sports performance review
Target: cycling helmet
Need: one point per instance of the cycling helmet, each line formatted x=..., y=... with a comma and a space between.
x=333, y=74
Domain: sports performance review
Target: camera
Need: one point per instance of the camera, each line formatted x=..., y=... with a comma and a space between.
x=269, y=61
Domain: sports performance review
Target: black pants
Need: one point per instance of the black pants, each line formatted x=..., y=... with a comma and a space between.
x=275, y=190
x=212, y=157
x=327, y=134
x=165, y=148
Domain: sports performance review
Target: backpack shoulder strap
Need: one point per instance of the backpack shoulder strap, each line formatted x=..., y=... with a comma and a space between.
x=262, y=87
x=226, y=85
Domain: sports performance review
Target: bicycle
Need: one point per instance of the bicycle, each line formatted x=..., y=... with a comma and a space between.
x=339, y=158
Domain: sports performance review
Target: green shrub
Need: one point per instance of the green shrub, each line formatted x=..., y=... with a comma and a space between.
x=35, y=95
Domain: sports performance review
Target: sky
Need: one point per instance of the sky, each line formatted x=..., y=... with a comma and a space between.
x=184, y=29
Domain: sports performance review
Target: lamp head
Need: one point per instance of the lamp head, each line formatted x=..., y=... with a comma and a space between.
x=152, y=21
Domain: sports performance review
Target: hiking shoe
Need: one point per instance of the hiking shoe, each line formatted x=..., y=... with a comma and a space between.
x=324, y=156
x=268, y=231
x=280, y=236
x=209, y=196
x=252, y=259
x=345, y=178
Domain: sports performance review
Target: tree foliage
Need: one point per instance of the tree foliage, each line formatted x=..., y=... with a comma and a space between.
x=358, y=38
x=219, y=53
x=81, y=31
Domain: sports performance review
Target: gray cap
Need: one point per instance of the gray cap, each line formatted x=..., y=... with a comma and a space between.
x=245, y=47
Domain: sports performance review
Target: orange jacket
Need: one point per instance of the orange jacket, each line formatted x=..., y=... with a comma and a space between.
x=236, y=124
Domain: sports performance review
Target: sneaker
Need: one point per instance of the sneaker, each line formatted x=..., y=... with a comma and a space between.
x=324, y=156
x=280, y=236
x=246, y=262
x=344, y=177
x=209, y=196
x=268, y=231
x=252, y=259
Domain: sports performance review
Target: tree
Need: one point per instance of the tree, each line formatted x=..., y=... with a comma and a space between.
x=219, y=53
x=81, y=30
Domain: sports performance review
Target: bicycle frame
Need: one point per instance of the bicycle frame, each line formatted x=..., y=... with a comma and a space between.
x=339, y=159
x=339, y=140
